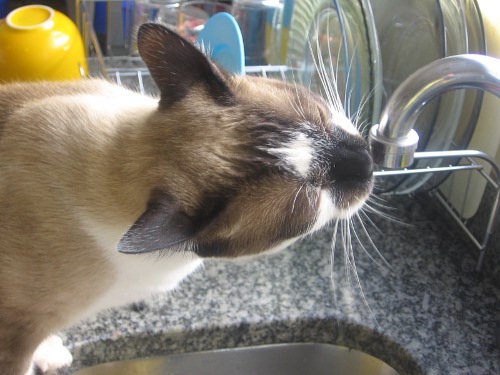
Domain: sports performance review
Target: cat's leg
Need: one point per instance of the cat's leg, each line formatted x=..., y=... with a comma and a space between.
x=51, y=355
x=17, y=359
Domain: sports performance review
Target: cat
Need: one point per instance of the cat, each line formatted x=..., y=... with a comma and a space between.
x=108, y=196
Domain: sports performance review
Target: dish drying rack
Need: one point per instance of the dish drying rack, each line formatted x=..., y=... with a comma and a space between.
x=128, y=70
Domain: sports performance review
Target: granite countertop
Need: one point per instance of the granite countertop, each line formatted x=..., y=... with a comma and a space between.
x=429, y=313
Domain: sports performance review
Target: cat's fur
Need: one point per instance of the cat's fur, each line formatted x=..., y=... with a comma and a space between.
x=93, y=175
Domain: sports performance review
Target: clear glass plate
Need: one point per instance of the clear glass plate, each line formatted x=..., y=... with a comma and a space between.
x=411, y=34
x=449, y=107
x=469, y=112
x=334, y=34
x=448, y=121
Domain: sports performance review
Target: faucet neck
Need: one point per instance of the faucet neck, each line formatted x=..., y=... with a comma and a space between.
x=394, y=141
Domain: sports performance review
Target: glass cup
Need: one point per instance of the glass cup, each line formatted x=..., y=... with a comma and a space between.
x=260, y=24
x=162, y=11
x=193, y=15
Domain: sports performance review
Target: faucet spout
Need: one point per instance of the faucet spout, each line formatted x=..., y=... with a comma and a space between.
x=393, y=142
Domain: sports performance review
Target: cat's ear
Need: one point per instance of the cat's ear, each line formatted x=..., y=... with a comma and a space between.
x=177, y=66
x=164, y=224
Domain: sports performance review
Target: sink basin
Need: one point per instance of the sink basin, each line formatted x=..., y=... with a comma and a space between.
x=276, y=359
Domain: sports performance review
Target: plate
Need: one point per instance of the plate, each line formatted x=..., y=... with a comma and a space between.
x=334, y=35
x=413, y=33
x=469, y=112
x=221, y=36
x=450, y=113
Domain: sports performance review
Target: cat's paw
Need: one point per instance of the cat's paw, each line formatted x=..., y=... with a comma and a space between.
x=51, y=355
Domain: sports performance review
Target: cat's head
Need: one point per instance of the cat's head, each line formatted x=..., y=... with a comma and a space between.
x=250, y=164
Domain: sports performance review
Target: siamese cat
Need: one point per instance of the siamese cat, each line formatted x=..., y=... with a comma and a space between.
x=95, y=177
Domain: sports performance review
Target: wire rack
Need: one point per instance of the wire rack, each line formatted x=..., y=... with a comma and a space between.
x=128, y=70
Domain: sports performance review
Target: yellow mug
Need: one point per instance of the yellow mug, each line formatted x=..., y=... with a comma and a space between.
x=40, y=43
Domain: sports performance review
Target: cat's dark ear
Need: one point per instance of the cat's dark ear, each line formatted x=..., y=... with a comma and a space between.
x=177, y=66
x=163, y=225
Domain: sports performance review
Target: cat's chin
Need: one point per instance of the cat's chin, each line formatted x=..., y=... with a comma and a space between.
x=329, y=212
x=273, y=250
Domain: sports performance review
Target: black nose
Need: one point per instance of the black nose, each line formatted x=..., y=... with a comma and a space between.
x=350, y=162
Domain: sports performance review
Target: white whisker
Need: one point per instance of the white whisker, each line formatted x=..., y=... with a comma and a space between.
x=360, y=287
x=297, y=194
x=332, y=260
x=368, y=208
x=334, y=74
x=349, y=233
x=348, y=93
x=319, y=65
x=330, y=79
x=367, y=218
x=386, y=264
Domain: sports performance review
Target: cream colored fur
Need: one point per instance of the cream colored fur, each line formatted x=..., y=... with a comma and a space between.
x=93, y=175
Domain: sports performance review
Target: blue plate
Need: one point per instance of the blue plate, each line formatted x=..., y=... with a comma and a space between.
x=221, y=36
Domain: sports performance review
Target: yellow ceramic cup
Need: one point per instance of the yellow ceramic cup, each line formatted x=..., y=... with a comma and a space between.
x=40, y=43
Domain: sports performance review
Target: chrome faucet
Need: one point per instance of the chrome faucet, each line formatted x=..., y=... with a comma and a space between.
x=393, y=142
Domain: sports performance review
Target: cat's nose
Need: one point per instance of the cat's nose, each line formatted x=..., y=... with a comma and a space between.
x=351, y=163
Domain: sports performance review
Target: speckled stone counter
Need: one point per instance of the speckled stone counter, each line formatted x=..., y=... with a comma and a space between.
x=427, y=314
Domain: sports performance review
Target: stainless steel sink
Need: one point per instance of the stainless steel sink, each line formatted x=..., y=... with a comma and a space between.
x=286, y=359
